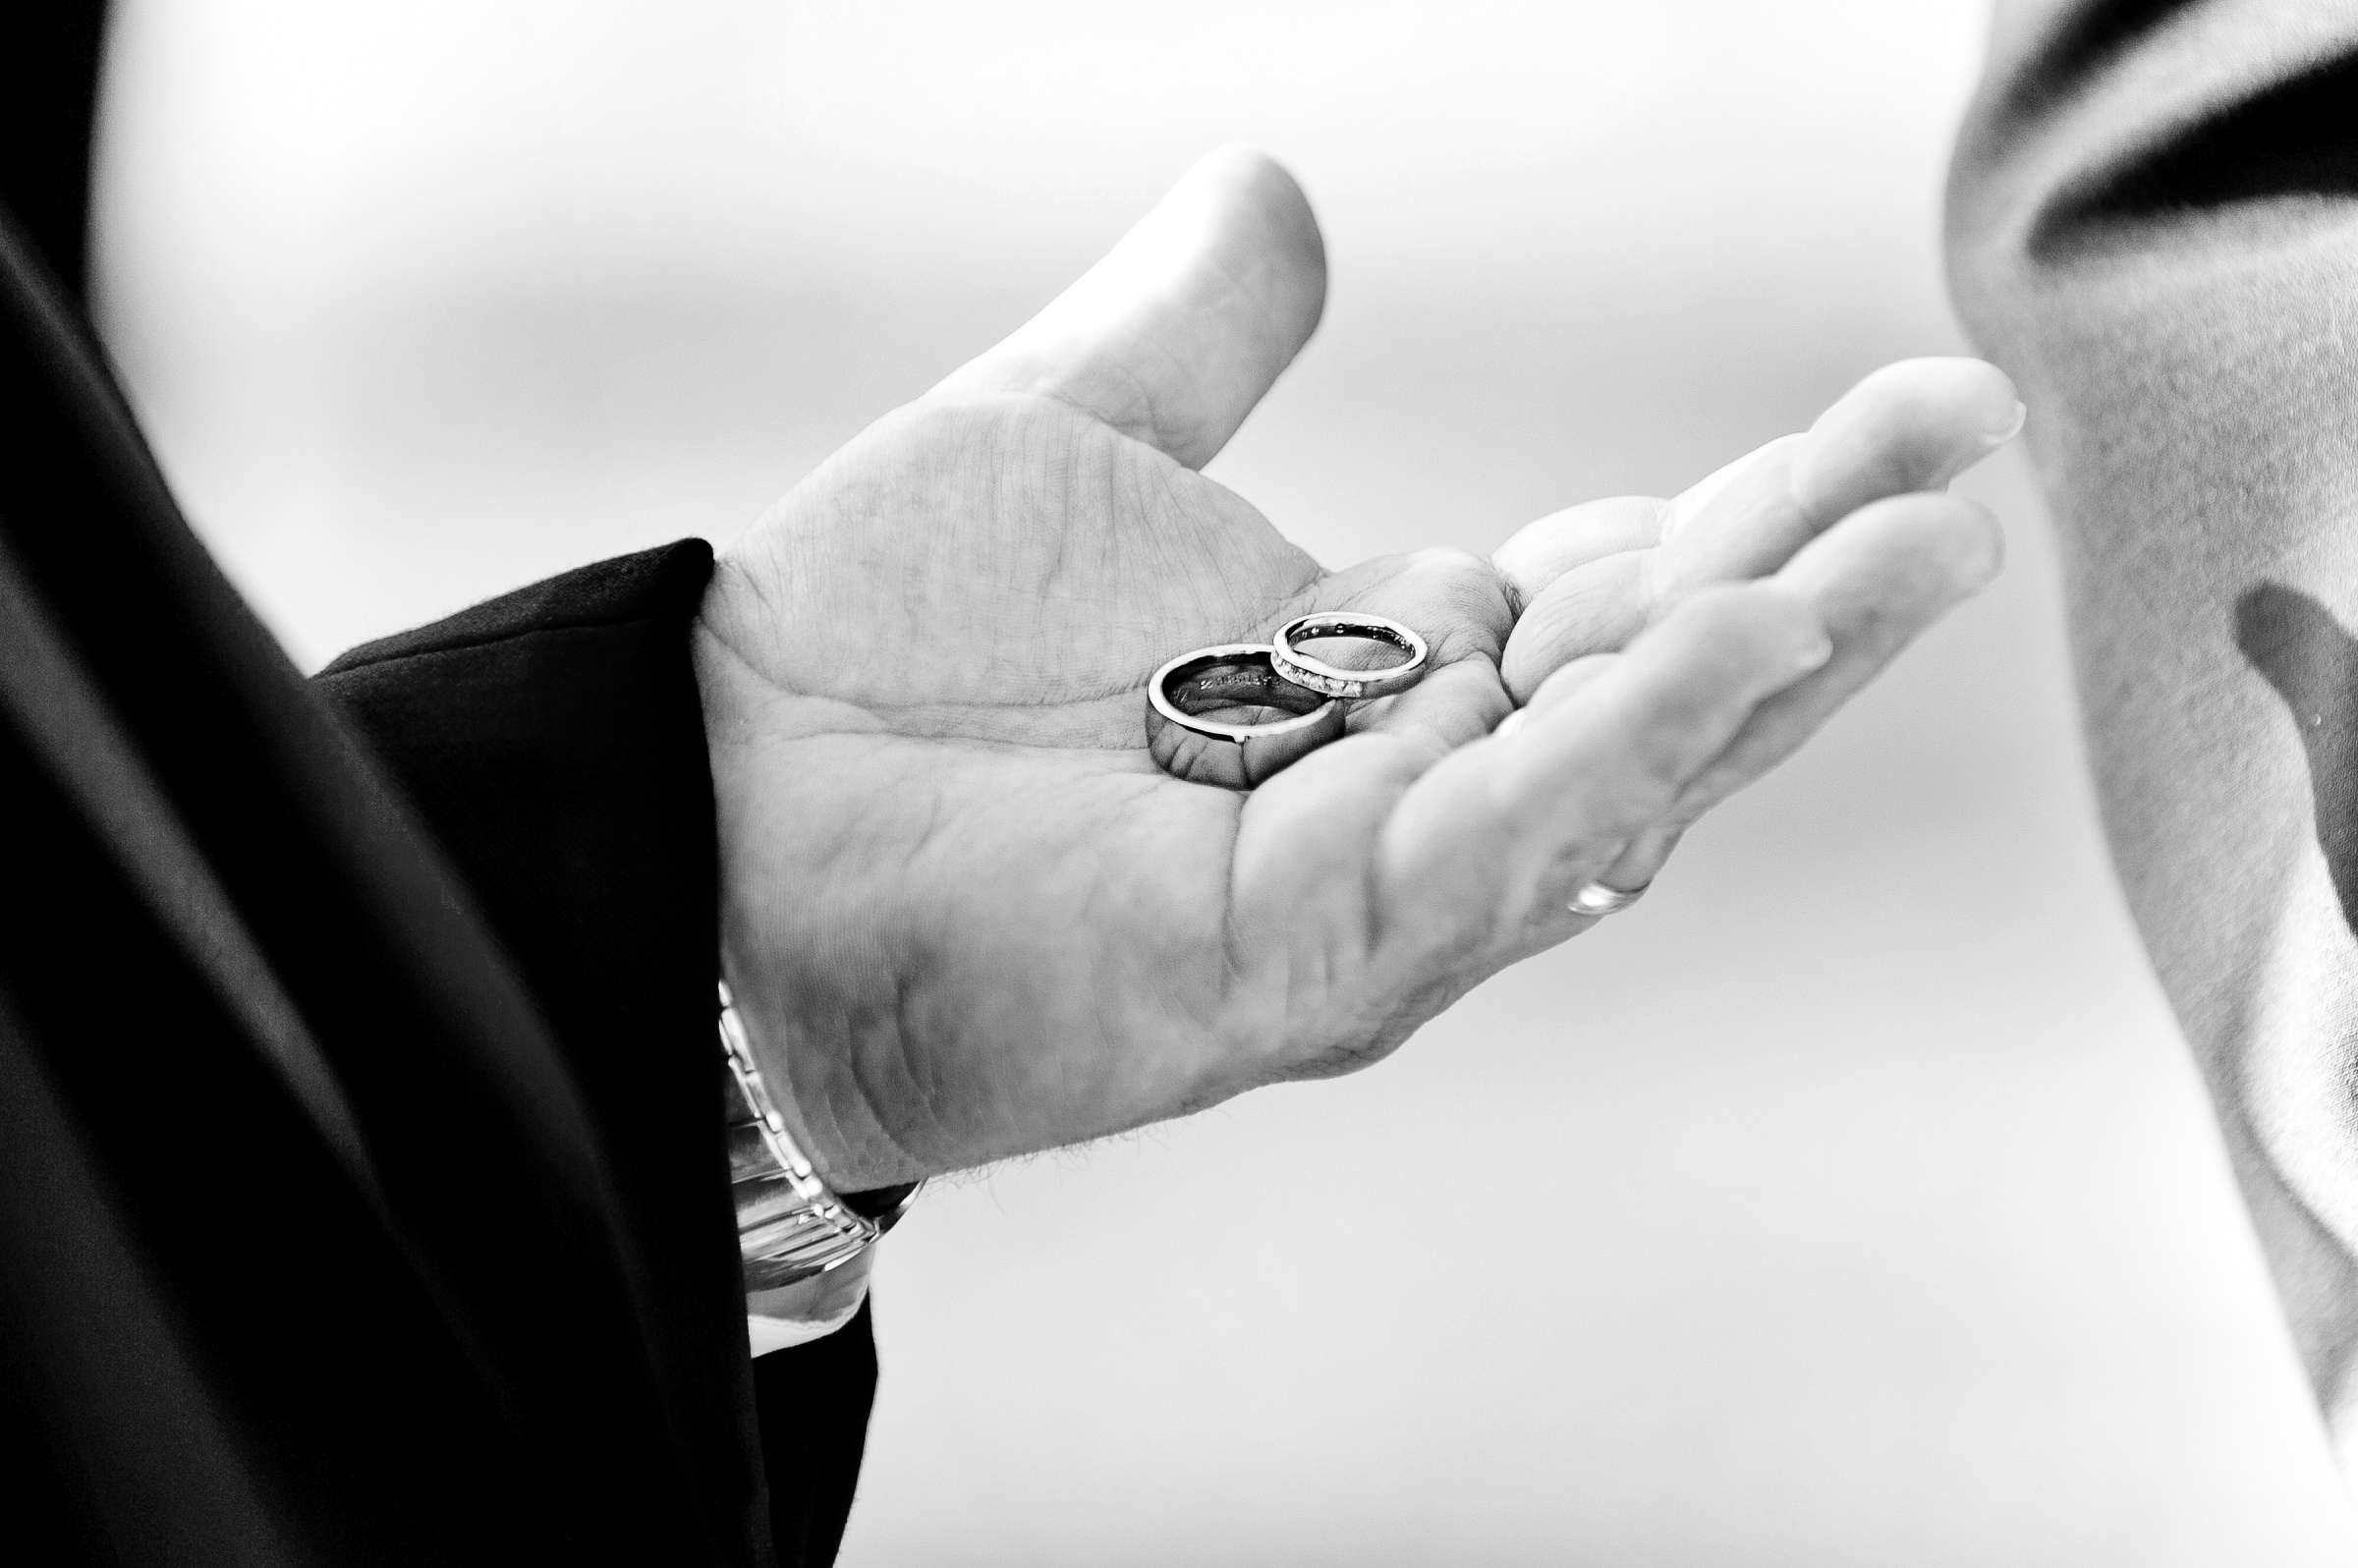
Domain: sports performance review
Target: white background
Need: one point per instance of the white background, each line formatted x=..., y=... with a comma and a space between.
x=1850, y=1203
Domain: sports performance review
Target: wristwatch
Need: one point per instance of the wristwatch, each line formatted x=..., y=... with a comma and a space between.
x=791, y=1224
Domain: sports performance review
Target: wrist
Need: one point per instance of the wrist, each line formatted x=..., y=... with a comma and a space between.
x=826, y=1114
x=792, y=1225
x=746, y=748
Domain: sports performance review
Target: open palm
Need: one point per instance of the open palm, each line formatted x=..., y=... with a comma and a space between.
x=965, y=913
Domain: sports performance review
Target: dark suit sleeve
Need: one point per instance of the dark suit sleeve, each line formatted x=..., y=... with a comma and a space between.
x=2153, y=226
x=552, y=743
x=49, y=58
x=363, y=1192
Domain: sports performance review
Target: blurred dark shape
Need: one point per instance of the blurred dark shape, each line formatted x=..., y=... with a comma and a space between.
x=48, y=88
x=2298, y=140
x=2303, y=653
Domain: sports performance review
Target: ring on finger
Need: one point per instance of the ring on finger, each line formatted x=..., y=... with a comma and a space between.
x=1598, y=900
x=1204, y=750
x=1352, y=684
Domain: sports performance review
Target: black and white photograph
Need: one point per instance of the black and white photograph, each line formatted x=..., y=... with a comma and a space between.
x=1278, y=785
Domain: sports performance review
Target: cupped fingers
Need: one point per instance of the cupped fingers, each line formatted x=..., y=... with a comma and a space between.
x=1540, y=553
x=1627, y=739
x=1588, y=579
x=1493, y=832
x=1877, y=582
x=1592, y=609
x=1911, y=425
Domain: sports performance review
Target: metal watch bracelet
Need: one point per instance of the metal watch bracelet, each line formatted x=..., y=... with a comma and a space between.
x=791, y=1225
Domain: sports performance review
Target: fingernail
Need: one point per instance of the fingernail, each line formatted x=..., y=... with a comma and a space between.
x=1508, y=725
x=2012, y=427
x=1814, y=655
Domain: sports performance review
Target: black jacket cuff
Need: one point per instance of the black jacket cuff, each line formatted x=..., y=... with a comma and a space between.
x=552, y=739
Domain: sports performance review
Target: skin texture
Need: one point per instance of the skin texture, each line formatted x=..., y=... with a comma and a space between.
x=968, y=918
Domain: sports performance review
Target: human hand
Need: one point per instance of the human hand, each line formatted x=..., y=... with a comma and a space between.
x=1849, y=514
x=964, y=914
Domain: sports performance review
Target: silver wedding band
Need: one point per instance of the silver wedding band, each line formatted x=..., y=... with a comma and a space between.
x=1357, y=686
x=1236, y=757
x=1598, y=900
x=1315, y=697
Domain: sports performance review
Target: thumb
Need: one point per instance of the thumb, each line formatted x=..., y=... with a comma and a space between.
x=1186, y=323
